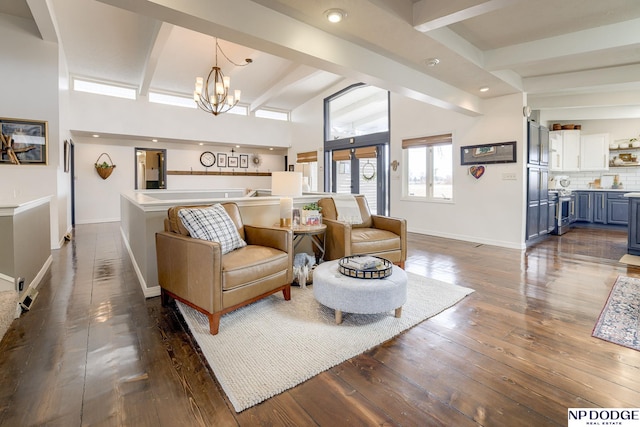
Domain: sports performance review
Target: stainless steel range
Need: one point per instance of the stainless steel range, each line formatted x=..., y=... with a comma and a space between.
x=565, y=208
x=564, y=205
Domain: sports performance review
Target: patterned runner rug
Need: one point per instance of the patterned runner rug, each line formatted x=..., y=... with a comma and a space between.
x=273, y=345
x=620, y=318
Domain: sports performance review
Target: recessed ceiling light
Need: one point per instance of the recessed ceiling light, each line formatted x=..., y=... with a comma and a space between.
x=335, y=15
x=270, y=148
x=484, y=89
x=154, y=140
x=237, y=146
x=431, y=62
x=96, y=136
x=200, y=143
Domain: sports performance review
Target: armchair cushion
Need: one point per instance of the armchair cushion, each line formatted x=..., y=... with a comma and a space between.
x=213, y=224
x=373, y=240
x=252, y=264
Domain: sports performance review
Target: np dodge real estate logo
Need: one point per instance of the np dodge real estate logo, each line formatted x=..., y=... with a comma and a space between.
x=628, y=417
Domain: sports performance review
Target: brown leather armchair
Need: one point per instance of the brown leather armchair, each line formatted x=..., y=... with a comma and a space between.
x=378, y=235
x=195, y=271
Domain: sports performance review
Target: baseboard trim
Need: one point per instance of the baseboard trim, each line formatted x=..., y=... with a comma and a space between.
x=502, y=244
x=151, y=292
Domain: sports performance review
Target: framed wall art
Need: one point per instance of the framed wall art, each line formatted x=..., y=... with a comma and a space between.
x=23, y=142
x=244, y=160
x=503, y=152
x=232, y=162
x=222, y=160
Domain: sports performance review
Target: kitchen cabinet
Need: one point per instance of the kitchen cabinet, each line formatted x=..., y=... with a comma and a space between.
x=538, y=144
x=599, y=207
x=564, y=150
x=602, y=207
x=594, y=152
x=537, y=202
x=538, y=215
x=633, y=244
x=583, y=206
x=571, y=152
x=617, y=209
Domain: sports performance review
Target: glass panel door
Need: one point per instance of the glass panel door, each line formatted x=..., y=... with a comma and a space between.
x=361, y=176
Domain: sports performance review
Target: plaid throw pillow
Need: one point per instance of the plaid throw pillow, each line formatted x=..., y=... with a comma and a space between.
x=213, y=224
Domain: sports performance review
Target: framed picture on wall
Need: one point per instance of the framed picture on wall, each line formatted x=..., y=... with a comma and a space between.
x=503, y=152
x=244, y=160
x=23, y=142
x=232, y=162
x=222, y=160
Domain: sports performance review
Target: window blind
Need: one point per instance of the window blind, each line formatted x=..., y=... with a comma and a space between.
x=424, y=141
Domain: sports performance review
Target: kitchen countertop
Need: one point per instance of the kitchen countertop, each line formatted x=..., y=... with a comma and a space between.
x=618, y=190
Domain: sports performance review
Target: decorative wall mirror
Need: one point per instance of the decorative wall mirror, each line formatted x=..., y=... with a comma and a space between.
x=151, y=169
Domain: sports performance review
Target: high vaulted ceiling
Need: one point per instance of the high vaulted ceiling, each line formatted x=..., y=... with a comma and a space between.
x=545, y=48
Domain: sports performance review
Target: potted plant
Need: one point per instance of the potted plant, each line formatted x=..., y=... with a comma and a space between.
x=311, y=214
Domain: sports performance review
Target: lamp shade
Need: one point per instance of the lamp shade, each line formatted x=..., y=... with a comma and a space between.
x=286, y=184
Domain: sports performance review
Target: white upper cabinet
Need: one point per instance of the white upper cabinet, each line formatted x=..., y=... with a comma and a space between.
x=564, y=150
x=571, y=152
x=594, y=152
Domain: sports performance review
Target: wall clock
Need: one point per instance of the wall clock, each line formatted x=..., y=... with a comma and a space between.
x=207, y=159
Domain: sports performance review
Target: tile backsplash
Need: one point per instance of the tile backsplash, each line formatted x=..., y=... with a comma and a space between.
x=628, y=176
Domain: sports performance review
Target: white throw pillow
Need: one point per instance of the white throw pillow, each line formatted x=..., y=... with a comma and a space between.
x=213, y=224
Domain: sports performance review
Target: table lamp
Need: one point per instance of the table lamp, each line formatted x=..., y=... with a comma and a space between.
x=287, y=185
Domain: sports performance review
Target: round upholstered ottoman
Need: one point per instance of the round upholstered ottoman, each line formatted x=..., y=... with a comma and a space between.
x=364, y=296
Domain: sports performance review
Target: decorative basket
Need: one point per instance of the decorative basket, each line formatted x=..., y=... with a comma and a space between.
x=104, y=169
x=383, y=270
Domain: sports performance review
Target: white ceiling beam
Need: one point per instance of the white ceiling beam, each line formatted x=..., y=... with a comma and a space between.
x=609, y=98
x=162, y=31
x=581, y=42
x=432, y=14
x=582, y=79
x=247, y=23
x=45, y=20
x=293, y=74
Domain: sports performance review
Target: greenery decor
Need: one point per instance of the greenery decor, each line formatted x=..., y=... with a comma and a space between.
x=312, y=207
x=104, y=169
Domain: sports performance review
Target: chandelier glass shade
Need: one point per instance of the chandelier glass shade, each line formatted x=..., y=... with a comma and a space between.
x=213, y=95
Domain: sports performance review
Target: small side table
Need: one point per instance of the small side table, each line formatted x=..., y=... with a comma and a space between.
x=317, y=235
x=315, y=232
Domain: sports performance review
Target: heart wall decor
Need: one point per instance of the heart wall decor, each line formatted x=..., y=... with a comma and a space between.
x=477, y=171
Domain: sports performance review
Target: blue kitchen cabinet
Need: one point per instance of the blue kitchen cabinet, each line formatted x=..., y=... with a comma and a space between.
x=617, y=208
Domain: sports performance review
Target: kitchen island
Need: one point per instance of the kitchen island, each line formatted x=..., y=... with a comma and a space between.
x=633, y=245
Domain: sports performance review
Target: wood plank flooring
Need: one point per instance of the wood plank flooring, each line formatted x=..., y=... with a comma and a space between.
x=518, y=351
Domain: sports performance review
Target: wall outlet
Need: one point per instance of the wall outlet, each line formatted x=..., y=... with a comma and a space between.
x=509, y=176
x=20, y=284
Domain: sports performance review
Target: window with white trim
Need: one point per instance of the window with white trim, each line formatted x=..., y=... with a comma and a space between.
x=272, y=114
x=429, y=171
x=99, y=88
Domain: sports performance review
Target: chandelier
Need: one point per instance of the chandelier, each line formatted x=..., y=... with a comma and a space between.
x=213, y=95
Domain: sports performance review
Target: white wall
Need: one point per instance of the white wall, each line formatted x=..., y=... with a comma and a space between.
x=487, y=210
x=29, y=87
x=139, y=118
x=98, y=200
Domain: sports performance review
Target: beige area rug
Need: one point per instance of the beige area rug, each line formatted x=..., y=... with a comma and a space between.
x=8, y=305
x=273, y=345
x=630, y=259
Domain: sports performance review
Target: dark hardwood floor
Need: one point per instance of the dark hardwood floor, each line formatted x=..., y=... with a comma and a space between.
x=518, y=351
